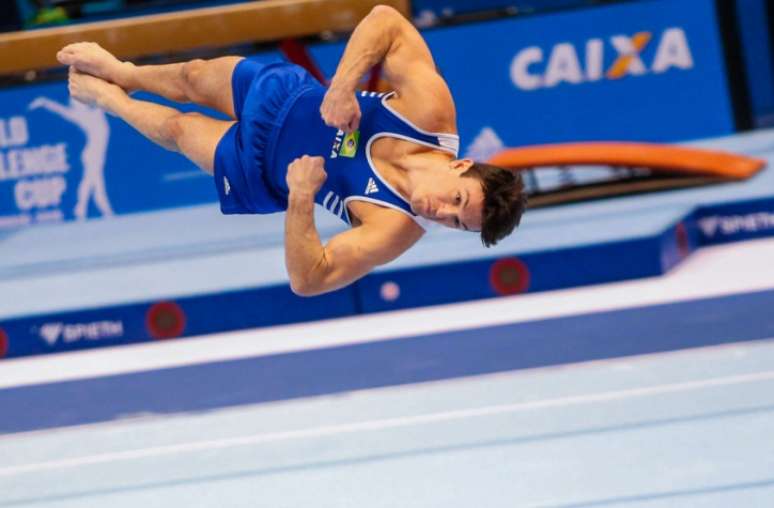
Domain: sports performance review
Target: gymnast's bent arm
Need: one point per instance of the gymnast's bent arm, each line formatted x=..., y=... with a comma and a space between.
x=386, y=36
x=315, y=269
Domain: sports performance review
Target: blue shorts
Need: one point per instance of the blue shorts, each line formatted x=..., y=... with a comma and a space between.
x=262, y=95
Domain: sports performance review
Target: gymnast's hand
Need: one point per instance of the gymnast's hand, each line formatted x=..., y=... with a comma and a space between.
x=340, y=109
x=306, y=175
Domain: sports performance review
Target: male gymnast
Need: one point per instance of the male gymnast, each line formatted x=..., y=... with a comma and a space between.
x=386, y=164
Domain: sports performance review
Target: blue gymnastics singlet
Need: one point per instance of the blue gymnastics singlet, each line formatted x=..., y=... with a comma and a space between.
x=288, y=125
x=351, y=172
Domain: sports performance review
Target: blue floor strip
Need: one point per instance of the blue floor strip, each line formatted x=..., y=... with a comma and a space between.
x=642, y=330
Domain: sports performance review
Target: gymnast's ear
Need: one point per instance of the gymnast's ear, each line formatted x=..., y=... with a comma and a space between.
x=461, y=165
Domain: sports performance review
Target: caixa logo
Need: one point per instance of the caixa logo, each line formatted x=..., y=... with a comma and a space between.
x=52, y=333
x=533, y=69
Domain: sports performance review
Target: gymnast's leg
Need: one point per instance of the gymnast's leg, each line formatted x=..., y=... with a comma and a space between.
x=204, y=82
x=193, y=135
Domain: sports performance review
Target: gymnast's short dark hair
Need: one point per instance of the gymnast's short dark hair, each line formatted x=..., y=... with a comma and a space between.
x=504, y=200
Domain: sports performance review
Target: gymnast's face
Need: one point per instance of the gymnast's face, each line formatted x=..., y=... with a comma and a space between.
x=449, y=199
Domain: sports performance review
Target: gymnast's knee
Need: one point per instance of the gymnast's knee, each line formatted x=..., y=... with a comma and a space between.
x=193, y=73
x=175, y=128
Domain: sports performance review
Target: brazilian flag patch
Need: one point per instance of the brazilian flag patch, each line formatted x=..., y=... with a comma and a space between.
x=349, y=144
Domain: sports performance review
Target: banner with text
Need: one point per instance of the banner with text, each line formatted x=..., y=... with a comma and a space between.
x=61, y=160
x=638, y=71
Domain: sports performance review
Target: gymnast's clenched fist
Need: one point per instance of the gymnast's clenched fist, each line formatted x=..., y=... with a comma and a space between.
x=306, y=175
x=340, y=109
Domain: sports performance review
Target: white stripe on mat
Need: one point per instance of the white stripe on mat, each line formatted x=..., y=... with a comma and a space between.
x=388, y=423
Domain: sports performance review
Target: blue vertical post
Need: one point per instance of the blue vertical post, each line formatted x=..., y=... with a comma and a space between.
x=753, y=22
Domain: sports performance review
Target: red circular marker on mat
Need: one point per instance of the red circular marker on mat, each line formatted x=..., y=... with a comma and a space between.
x=509, y=276
x=165, y=320
x=3, y=343
x=683, y=244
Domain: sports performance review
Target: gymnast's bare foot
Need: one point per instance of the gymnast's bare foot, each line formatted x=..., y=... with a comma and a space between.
x=94, y=91
x=91, y=58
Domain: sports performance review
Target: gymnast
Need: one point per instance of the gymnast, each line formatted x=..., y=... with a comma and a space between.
x=385, y=163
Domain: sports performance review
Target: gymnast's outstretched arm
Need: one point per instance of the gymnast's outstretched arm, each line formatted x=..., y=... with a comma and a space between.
x=386, y=36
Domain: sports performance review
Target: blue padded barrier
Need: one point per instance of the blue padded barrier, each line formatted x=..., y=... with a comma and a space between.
x=128, y=324
x=733, y=222
x=640, y=251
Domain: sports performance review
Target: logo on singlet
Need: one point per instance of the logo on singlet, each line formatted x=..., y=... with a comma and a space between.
x=345, y=146
x=371, y=188
x=226, y=186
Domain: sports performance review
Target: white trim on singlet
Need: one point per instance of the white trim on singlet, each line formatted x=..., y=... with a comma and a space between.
x=337, y=202
x=417, y=219
x=449, y=142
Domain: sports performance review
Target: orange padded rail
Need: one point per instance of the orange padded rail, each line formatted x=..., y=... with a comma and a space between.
x=211, y=27
x=675, y=159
